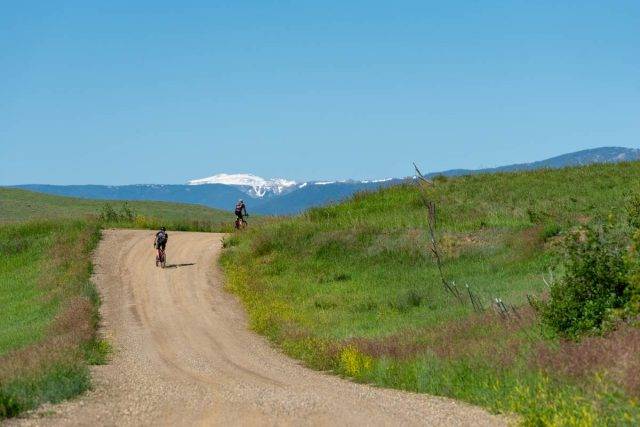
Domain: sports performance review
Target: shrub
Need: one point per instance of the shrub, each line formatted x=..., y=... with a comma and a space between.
x=127, y=213
x=632, y=308
x=632, y=207
x=594, y=282
x=109, y=214
x=9, y=407
x=632, y=293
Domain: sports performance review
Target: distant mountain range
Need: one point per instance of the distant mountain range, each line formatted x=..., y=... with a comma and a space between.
x=578, y=158
x=282, y=196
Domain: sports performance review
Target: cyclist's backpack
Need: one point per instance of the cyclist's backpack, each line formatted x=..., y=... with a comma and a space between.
x=162, y=237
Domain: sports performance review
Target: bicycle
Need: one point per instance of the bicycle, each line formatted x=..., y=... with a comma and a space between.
x=161, y=258
x=241, y=223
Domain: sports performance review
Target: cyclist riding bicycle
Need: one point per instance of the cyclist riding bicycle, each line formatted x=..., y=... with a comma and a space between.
x=241, y=211
x=160, y=242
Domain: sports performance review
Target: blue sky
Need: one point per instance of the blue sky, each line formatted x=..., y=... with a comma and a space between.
x=162, y=92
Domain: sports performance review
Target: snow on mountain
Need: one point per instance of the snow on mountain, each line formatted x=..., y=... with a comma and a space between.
x=377, y=180
x=253, y=185
x=281, y=196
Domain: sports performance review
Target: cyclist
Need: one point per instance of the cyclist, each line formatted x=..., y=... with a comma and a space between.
x=241, y=212
x=160, y=242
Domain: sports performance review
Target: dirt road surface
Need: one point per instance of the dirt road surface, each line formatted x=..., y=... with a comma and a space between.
x=183, y=355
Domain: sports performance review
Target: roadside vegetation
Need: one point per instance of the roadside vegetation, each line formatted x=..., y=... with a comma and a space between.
x=49, y=307
x=49, y=313
x=127, y=216
x=18, y=205
x=547, y=327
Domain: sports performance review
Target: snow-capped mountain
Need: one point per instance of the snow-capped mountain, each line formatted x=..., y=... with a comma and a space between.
x=253, y=185
x=282, y=196
x=258, y=187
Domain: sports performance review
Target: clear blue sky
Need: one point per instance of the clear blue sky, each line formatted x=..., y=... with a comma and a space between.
x=161, y=92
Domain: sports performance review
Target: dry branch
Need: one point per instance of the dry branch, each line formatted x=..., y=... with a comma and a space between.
x=424, y=183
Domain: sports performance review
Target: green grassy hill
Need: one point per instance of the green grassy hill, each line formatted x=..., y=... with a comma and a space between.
x=49, y=307
x=22, y=205
x=354, y=288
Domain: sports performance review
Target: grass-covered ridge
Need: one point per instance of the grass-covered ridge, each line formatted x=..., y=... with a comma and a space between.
x=21, y=205
x=353, y=288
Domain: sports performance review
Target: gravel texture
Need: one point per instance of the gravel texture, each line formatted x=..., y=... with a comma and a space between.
x=183, y=356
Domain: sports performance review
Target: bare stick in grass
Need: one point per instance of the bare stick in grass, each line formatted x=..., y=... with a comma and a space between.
x=424, y=184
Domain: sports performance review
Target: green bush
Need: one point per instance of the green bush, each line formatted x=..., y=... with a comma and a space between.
x=632, y=307
x=632, y=206
x=9, y=407
x=594, y=282
x=126, y=213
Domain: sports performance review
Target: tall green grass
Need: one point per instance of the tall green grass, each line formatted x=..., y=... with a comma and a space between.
x=353, y=288
x=50, y=312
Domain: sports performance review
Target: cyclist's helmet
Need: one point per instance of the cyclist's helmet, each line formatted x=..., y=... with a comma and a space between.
x=163, y=228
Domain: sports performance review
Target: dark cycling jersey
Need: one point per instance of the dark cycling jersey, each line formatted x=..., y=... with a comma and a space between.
x=161, y=239
x=240, y=208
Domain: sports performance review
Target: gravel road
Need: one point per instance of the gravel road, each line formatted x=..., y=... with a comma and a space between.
x=183, y=355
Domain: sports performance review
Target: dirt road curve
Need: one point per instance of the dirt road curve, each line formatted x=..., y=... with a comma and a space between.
x=183, y=356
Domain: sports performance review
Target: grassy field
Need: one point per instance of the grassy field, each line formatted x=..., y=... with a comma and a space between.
x=49, y=312
x=20, y=205
x=353, y=288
